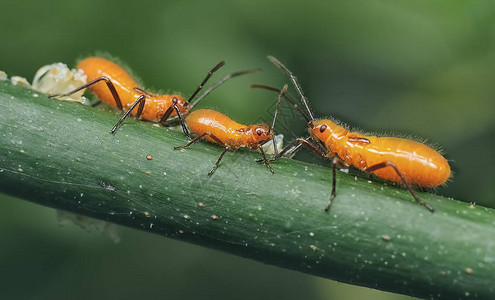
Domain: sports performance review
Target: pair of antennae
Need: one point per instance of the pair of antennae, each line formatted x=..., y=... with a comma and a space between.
x=287, y=97
x=173, y=107
x=217, y=84
x=293, y=78
x=281, y=93
x=284, y=69
x=218, y=66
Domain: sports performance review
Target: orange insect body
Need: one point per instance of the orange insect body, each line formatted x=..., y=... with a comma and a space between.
x=155, y=105
x=421, y=165
x=232, y=134
x=395, y=159
x=219, y=129
x=122, y=92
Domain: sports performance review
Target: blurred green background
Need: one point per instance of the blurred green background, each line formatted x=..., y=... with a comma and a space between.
x=420, y=68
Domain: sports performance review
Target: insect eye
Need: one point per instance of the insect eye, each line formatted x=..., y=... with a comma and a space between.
x=323, y=128
x=259, y=132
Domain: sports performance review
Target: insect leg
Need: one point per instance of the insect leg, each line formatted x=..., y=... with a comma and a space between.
x=199, y=137
x=336, y=162
x=110, y=86
x=167, y=114
x=391, y=164
x=290, y=150
x=140, y=100
x=217, y=140
x=218, y=161
x=265, y=160
x=284, y=152
x=308, y=144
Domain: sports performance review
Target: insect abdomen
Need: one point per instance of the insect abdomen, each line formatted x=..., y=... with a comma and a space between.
x=95, y=67
x=420, y=164
x=207, y=120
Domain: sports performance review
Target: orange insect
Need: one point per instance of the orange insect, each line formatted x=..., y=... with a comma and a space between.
x=217, y=128
x=395, y=159
x=122, y=92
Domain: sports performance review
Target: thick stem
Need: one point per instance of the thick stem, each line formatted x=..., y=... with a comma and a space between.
x=60, y=154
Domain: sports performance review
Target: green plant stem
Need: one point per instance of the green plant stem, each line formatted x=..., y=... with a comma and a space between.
x=62, y=155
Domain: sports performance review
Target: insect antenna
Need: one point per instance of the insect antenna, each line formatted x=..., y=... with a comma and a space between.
x=219, y=82
x=289, y=99
x=206, y=79
x=293, y=78
x=282, y=92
